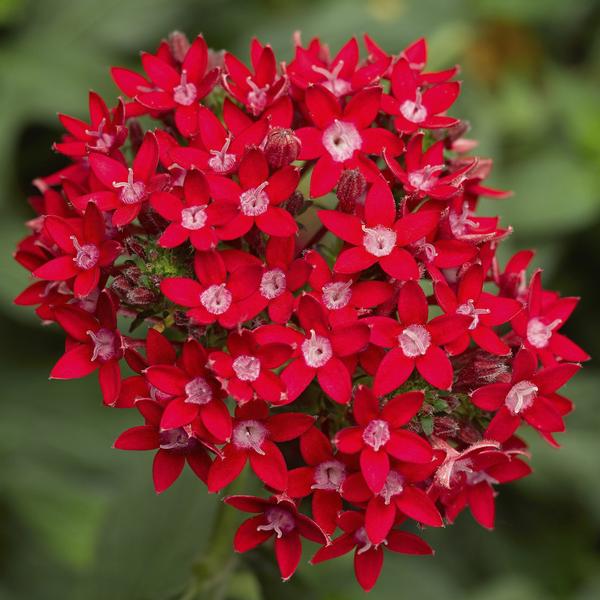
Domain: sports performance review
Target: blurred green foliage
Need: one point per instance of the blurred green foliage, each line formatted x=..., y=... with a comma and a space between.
x=79, y=520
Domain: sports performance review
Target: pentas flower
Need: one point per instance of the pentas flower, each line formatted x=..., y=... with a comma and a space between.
x=218, y=295
x=105, y=133
x=466, y=478
x=414, y=107
x=170, y=87
x=276, y=516
x=322, y=351
x=344, y=298
x=538, y=323
x=191, y=218
x=415, y=342
x=424, y=172
x=399, y=498
x=127, y=189
x=194, y=392
x=381, y=324
x=342, y=138
x=368, y=556
x=341, y=75
x=381, y=237
x=278, y=279
x=86, y=251
x=176, y=446
x=528, y=396
x=379, y=435
x=256, y=199
x=322, y=478
x=255, y=436
x=259, y=90
x=485, y=310
x=94, y=343
x=246, y=371
x=219, y=147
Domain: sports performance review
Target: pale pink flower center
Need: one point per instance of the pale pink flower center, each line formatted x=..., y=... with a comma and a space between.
x=132, y=192
x=257, y=97
x=316, y=350
x=216, y=299
x=480, y=477
x=106, y=344
x=87, y=254
x=197, y=391
x=362, y=540
x=104, y=141
x=341, y=139
x=379, y=240
x=460, y=222
x=424, y=179
x=279, y=520
x=521, y=396
x=376, y=434
x=193, y=217
x=220, y=161
x=250, y=435
x=329, y=475
x=424, y=247
x=414, y=110
x=468, y=309
x=185, y=93
x=273, y=283
x=337, y=86
x=394, y=485
x=247, y=368
x=538, y=333
x=177, y=440
x=337, y=294
x=255, y=201
x=414, y=340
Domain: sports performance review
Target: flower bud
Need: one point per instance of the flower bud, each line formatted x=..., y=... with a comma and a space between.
x=179, y=45
x=140, y=296
x=295, y=203
x=350, y=187
x=282, y=147
x=445, y=427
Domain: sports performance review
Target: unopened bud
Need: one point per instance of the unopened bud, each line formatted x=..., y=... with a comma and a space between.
x=445, y=427
x=134, y=246
x=135, y=134
x=121, y=286
x=282, y=147
x=179, y=45
x=151, y=221
x=468, y=434
x=295, y=203
x=140, y=296
x=350, y=187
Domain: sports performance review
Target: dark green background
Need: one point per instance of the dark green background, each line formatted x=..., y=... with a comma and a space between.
x=79, y=520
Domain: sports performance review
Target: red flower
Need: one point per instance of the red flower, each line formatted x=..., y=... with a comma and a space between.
x=255, y=437
x=172, y=87
x=423, y=175
x=344, y=298
x=218, y=296
x=368, y=556
x=466, y=478
x=86, y=251
x=538, y=324
x=414, y=342
x=105, y=133
x=380, y=237
x=277, y=516
x=323, y=351
x=191, y=218
x=400, y=497
x=256, y=199
x=412, y=106
x=342, y=138
x=175, y=446
x=94, y=342
x=485, y=310
x=322, y=478
x=530, y=395
x=130, y=188
x=246, y=372
x=379, y=435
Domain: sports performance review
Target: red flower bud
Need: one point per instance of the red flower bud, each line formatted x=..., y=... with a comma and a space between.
x=351, y=186
x=282, y=147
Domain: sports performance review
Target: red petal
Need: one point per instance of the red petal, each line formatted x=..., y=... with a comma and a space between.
x=417, y=505
x=248, y=536
x=490, y=397
x=181, y=290
x=335, y=380
x=379, y=519
x=435, y=367
x=166, y=468
x=410, y=447
x=288, y=426
x=224, y=470
x=401, y=409
x=367, y=567
x=375, y=467
x=393, y=371
x=288, y=551
x=270, y=467
x=142, y=437
x=481, y=503
x=74, y=363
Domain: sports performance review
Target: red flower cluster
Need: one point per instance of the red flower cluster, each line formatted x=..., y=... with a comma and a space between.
x=360, y=349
